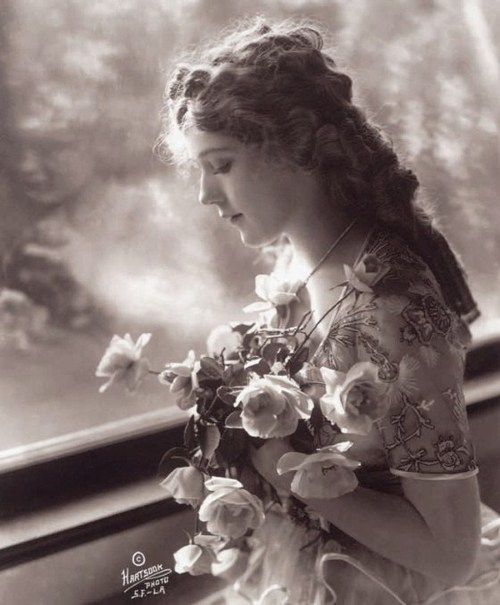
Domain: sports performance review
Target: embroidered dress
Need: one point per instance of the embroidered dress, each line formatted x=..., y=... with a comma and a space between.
x=402, y=324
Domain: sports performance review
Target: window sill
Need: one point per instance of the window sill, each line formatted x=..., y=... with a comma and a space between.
x=96, y=437
x=40, y=532
x=482, y=389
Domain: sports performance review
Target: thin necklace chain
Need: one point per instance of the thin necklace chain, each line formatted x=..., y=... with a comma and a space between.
x=327, y=253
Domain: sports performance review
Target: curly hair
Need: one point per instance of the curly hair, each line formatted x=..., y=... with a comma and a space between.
x=273, y=86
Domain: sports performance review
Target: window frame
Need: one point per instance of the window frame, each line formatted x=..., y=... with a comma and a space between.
x=31, y=483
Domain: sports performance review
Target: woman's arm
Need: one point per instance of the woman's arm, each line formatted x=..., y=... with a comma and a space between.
x=433, y=529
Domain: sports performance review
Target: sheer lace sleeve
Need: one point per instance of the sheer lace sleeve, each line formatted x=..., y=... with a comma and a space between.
x=418, y=345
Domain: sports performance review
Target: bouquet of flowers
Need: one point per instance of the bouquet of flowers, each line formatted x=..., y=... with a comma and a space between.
x=255, y=384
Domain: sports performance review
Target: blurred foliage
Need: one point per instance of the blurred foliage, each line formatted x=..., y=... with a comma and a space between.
x=82, y=90
x=81, y=87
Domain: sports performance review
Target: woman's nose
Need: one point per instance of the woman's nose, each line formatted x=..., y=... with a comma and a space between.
x=209, y=191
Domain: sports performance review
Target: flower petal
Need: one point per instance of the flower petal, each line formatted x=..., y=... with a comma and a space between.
x=332, y=378
x=283, y=298
x=143, y=340
x=289, y=462
x=215, y=483
x=186, y=557
x=324, y=483
x=226, y=559
x=233, y=421
x=257, y=307
x=262, y=282
x=181, y=369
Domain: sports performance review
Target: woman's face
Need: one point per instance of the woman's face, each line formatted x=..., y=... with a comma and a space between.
x=257, y=197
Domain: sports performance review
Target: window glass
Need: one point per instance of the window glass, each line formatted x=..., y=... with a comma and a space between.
x=98, y=237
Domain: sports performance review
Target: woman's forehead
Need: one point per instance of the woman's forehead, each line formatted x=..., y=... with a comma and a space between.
x=200, y=143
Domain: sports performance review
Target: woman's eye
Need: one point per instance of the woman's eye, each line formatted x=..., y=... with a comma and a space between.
x=223, y=168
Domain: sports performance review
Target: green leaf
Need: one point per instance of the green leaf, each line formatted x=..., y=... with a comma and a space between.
x=270, y=351
x=316, y=423
x=258, y=365
x=228, y=394
x=190, y=434
x=299, y=360
x=209, y=439
x=211, y=368
x=233, y=444
x=241, y=328
x=233, y=420
x=282, y=354
x=302, y=439
x=235, y=375
x=251, y=341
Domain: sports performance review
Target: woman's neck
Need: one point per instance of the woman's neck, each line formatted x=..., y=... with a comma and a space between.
x=310, y=244
x=315, y=237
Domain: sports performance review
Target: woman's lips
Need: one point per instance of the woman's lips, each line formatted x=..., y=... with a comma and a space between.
x=234, y=218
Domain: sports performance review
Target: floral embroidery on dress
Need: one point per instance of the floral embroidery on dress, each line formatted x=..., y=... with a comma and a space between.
x=411, y=447
x=406, y=267
x=426, y=404
x=425, y=316
x=404, y=327
x=344, y=332
x=448, y=452
x=457, y=401
x=388, y=370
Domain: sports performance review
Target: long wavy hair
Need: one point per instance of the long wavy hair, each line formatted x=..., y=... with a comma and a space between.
x=273, y=86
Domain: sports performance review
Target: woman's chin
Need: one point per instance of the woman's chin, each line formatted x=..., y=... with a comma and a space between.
x=256, y=240
x=249, y=243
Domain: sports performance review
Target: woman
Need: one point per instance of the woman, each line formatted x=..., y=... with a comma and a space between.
x=269, y=119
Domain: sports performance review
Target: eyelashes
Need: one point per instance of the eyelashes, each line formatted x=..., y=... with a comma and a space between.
x=224, y=168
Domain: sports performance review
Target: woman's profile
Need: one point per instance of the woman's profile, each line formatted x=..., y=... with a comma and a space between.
x=268, y=118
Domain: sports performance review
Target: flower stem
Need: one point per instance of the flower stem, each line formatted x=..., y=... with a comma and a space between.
x=302, y=321
x=317, y=324
x=211, y=405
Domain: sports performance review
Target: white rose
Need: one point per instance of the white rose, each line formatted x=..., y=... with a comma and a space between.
x=311, y=380
x=223, y=337
x=366, y=273
x=230, y=510
x=181, y=377
x=197, y=558
x=274, y=291
x=122, y=362
x=324, y=474
x=185, y=485
x=230, y=563
x=271, y=406
x=354, y=399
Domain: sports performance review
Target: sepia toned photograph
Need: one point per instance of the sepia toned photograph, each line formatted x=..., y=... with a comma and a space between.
x=249, y=302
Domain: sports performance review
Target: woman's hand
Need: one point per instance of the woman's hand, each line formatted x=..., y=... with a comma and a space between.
x=265, y=460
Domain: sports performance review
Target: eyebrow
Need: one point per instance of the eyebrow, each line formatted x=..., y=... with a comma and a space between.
x=213, y=149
